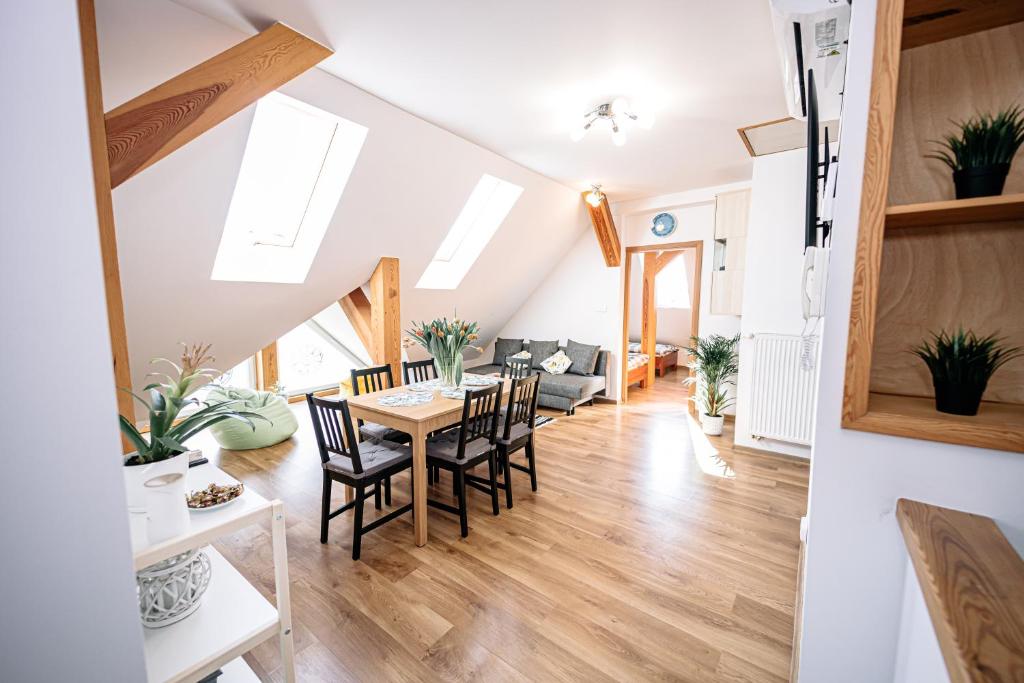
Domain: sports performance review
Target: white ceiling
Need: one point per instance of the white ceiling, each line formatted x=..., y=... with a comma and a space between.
x=515, y=77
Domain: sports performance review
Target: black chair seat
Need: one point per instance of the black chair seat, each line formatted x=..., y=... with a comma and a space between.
x=375, y=457
x=445, y=446
x=517, y=432
x=377, y=432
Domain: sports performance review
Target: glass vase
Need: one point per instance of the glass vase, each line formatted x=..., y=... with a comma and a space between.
x=449, y=369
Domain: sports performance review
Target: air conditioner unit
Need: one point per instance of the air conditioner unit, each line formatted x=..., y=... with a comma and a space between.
x=812, y=34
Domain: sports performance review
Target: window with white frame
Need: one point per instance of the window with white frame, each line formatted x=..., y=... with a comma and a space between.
x=296, y=164
x=481, y=216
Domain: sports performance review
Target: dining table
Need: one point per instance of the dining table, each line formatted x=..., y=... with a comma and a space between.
x=418, y=421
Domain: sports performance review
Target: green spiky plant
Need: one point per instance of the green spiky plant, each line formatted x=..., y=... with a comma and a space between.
x=715, y=363
x=983, y=140
x=167, y=435
x=961, y=365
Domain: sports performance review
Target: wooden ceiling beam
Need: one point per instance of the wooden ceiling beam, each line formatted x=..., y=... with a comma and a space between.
x=357, y=309
x=147, y=128
x=665, y=258
x=604, y=228
x=386, y=316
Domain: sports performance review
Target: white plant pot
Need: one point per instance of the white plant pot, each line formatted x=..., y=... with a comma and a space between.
x=712, y=425
x=164, y=506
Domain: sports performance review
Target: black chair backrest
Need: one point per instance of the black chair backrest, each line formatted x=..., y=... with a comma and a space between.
x=373, y=379
x=419, y=370
x=522, y=403
x=516, y=367
x=332, y=433
x=479, y=416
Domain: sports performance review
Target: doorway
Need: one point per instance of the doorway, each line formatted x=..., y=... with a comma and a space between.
x=654, y=297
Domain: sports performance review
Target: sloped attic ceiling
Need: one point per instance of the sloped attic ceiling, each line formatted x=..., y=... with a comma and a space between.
x=407, y=187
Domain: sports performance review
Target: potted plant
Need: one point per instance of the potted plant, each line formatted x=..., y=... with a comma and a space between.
x=961, y=365
x=445, y=341
x=980, y=155
x=715, y=364
x=161, y=453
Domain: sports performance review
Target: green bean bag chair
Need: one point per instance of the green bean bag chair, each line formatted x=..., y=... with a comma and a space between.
x=238, y=436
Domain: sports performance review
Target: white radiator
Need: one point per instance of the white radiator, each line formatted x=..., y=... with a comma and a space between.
x=783, y=393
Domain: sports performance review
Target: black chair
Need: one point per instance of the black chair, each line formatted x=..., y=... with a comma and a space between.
x=372, y=379
x=517, y=433
x=344, y=461
x=517, y=367
x=418, y=370
x=462, y=449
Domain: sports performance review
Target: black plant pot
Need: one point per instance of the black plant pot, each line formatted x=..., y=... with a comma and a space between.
x=957, y=399
x=980, y=181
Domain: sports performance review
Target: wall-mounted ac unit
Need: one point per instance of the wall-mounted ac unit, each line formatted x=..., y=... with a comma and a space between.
x=812, y=34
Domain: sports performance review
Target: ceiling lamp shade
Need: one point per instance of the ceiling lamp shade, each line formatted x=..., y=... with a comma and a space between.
x=614, y=113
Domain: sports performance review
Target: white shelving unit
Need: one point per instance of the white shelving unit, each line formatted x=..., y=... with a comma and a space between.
x=233, y=617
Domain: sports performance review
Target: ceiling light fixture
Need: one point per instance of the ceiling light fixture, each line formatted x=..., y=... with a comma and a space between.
x=595, y=196
x=614, y=113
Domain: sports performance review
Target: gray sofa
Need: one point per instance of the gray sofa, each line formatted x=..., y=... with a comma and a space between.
x=567, y=391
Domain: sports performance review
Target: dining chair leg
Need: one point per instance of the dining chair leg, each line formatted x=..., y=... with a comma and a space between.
x=387, y=491
x=533, y=463
x=455, y=485
x=460, y=485
x=357, y=528
x=376, y=494
x=325, y=514
x=492, y=467
x=506, y=463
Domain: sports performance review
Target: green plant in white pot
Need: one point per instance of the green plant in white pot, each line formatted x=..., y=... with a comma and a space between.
x=162, y=453
x=715, y=364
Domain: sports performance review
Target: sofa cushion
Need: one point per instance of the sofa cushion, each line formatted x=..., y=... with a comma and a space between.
x=505, y=347
x=557, y=364
x=542, y=350
x=570, y=386
x=484, y=369
x=583, y=357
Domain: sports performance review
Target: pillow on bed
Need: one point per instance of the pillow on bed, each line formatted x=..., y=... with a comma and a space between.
x=506, y=347
x=583, y=357
x=542, y=350
x=556, y=364
x=634, y=347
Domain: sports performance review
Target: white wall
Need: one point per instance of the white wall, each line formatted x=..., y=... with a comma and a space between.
x=918, y=655
x=855, y=554
x=67, y=588
x=409, y=184
x=774, y=267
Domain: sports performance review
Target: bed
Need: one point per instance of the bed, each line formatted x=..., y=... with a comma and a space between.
x=666, y=356
x=636, y=369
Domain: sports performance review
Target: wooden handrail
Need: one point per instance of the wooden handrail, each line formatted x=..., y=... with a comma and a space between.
x=973, y=584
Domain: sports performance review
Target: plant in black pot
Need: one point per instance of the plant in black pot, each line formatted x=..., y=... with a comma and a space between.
x=961, y=365
x=980, y=155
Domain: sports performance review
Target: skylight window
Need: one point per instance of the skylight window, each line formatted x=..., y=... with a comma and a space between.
x=480, y=218
x=296, y=164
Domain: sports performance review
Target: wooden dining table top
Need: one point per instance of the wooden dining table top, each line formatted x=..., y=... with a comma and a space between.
x=440, y=406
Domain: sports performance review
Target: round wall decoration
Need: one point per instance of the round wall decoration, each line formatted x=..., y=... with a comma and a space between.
x=664, y=225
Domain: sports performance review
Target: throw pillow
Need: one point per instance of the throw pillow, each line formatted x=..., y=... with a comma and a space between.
x=521, y=354
x=541, y=350
x=556, y=364
x=583, y=357
x=506, y=347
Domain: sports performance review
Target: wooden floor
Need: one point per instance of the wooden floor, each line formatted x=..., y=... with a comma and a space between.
x=648, y=553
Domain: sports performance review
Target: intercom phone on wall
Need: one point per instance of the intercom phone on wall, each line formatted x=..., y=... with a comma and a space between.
x=815, y=276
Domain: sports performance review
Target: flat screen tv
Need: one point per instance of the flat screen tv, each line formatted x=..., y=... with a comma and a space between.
x=811, y=218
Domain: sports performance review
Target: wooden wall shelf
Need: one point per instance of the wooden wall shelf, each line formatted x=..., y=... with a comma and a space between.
x=1008, y=207
x=931, y=21
x=997, y=425
x=971, y=579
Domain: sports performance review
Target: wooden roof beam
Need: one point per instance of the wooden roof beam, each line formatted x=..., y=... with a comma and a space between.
x=604, y=228
x=147, y=128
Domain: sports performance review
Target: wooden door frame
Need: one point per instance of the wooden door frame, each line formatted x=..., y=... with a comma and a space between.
x=695, y=287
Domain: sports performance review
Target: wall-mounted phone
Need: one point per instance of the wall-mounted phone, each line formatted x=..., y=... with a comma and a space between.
x=812, y=293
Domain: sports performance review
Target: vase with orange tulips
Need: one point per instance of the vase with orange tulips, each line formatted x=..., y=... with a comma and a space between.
x=445, y=340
